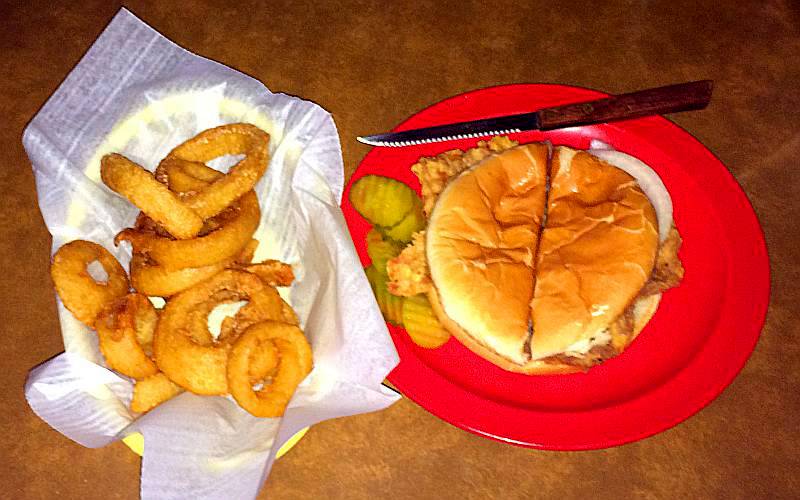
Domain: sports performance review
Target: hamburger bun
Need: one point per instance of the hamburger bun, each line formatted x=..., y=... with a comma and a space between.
x=538, y=274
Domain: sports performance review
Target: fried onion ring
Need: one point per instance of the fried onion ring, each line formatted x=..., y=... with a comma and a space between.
x=81, y=294
x=153, y=198
x=233, y=139
x=294, y=353
x=184, y=348
x=125, y=329
x=158, y=281
x=263, y=362
x=154, y=280
x=186, y=177
x=183, y=176
x=221, y=244
x=267, y=305
x=152, y=391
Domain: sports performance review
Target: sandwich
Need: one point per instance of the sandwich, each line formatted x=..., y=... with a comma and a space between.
x=541, y=260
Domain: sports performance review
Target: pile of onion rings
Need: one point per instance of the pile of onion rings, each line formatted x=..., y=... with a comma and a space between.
x=193, y=246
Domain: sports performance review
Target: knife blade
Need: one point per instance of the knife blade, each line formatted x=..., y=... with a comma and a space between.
x=669, y=99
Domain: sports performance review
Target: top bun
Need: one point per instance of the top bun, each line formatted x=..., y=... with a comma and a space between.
x=536, y=303
x=598, y=248
x=481, y=246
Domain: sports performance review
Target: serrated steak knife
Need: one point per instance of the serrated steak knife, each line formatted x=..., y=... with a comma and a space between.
x=661, y=100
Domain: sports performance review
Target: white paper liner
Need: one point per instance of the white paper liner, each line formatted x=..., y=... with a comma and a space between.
x=137, y=93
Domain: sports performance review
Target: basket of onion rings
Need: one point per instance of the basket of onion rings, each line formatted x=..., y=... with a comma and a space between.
x=209, y=295
x=193, y=246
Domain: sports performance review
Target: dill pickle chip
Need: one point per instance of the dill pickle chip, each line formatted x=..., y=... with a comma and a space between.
x=411, y=223
x=421, y=323
x=381, y=250
x=391, y=305
x=381, y=200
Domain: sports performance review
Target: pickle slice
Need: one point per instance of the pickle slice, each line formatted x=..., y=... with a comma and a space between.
x=391, y=305
x=381, y=250
x=381, y=200
x=414, y=221
x=421, y=323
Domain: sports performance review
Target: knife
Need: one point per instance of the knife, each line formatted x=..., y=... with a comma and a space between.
x=656, y=101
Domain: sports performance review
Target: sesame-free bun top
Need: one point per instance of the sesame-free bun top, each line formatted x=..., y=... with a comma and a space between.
x=597, y=250
x=481, y=245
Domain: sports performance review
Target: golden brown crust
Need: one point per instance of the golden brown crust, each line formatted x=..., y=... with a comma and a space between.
x=668, y=270
x=408, y=272
x=435, y=172
x=139, y=187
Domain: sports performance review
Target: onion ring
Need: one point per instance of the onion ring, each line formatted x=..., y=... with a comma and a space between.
x=125, y=329
x=233, y=139
x=153, y=198
x=154, y=280
x=266, y=305
x=158, y=281
x=185, y=176
x=295, y=363
x=151, y=279
x=263, y=362
x=184, y=348
x=220, y=244
x=81, y=294
x=152, y=391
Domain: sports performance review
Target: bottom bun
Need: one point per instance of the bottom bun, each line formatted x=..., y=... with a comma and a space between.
x=644, y=309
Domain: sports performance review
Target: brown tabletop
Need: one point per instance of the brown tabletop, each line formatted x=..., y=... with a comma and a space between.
x=372, y=64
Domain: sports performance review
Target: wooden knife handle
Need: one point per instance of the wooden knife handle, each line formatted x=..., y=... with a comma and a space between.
x=669, y=99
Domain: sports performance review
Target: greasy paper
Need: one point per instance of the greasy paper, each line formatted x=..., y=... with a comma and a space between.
x=138, y=94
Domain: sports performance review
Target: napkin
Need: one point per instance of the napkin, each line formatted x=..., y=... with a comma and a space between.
x=138, y=94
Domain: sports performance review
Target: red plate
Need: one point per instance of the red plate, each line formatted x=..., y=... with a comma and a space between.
x=698, y=341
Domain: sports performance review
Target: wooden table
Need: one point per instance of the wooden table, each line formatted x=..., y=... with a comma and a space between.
x=372, y=64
